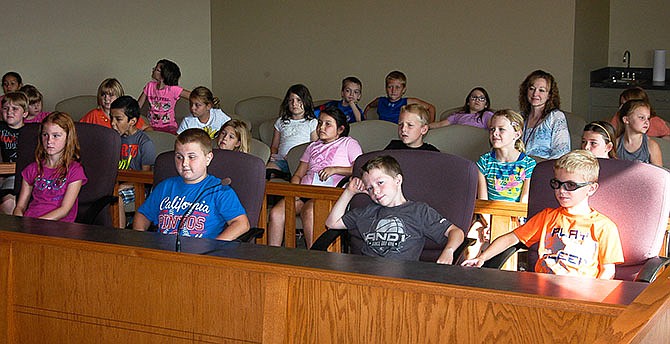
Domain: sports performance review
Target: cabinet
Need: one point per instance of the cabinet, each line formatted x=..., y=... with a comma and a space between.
x=604, y=102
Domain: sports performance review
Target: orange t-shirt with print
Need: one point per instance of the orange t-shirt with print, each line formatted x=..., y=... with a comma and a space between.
x=97, y=116
x=572, y=244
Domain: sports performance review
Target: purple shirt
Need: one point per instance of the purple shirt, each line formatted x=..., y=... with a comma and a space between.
x=49, y=190
x=471, y=119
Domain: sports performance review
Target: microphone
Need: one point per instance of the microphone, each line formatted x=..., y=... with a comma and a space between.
x=189, y=211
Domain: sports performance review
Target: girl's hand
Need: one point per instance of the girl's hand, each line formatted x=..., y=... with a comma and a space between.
x=326, y=173
x=275, y=157
x=356, y=186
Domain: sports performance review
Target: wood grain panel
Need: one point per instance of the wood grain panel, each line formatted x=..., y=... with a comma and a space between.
x=141, y=292
x=327, y=311
x=63, y=290
x=45, y=328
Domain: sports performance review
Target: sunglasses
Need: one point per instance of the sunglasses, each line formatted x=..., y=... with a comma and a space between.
x=567, y=186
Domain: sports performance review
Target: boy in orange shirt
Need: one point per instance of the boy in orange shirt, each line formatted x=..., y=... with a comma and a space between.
x=574, y=239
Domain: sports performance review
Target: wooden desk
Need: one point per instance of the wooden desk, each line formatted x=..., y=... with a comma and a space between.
x=71, y=283
x=139, y=179
x=7, y=168
x=324, y=199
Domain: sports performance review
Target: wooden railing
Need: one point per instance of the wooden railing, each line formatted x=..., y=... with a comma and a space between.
x=139, y=179
x=7, y=168
x=324, y=198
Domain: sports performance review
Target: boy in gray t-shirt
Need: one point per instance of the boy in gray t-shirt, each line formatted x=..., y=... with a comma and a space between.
x=393, y=227
x=137, y=149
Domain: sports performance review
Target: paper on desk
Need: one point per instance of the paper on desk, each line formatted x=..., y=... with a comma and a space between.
x=318, y=182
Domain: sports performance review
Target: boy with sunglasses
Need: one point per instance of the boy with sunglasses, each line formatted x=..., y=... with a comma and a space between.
x=574, y=239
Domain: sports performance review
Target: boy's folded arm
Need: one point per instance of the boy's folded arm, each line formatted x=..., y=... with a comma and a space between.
x=236, y=227
x=357, y=113
x=430, y=107
x=334, y=220
x=372, y=104
x=140, y=222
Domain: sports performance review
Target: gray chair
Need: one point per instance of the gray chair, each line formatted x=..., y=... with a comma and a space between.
x=293, y=156
x=320, y=102
x=462, y=140
x=259, y=149
x=373, y=134
x=448, y=112
x=77, y=106
x=665, y=150
x=257, y=110
x=164, y=142
x=266, y=131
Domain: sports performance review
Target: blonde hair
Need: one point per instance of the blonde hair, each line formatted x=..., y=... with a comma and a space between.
x=71, y=150
x=203, y=94
x=16, y=98
x=418, y=110
x=242, y=133
x=516, y=120
x=112, y=85
x=581, y=162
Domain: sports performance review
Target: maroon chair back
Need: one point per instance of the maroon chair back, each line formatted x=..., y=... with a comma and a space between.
x=246, y=172
x=448, y=183
x=636, y=196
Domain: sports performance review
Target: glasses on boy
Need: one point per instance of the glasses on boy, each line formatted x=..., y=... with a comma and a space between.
x=567, y=185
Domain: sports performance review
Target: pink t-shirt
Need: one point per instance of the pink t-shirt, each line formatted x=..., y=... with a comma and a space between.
x=49, y=190
x=319, y=155
x=161, y=106
x=38, y=118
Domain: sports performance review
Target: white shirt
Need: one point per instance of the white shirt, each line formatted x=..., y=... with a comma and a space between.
x=217, y=118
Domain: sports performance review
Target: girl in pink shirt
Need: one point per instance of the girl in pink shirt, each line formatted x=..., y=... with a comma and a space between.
x=325, y=163
x=163, y=92
x=54, y=179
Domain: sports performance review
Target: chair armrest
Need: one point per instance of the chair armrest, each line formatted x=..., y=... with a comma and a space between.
x=252, y=234
x=651, y=268
x=327, y=238
x=499, y=260
x=343, y=182
x=96, y=207
x=461, y=249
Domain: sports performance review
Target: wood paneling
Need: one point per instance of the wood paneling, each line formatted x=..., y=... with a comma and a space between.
x=64, y=290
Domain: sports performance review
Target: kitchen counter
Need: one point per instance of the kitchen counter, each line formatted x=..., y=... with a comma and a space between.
x=602, y=78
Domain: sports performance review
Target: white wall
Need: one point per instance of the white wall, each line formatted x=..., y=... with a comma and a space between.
x=444, y=47
x=639, y=26
x=68, y=47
